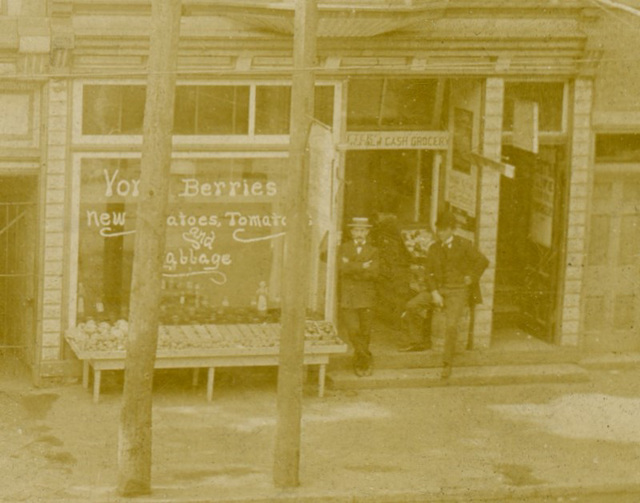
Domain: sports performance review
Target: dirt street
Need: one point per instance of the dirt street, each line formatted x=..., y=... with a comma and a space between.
x=58, y=445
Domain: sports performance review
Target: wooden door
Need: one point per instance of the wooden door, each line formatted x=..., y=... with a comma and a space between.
x=612, y=275
x=18, y=238
x=530, y=232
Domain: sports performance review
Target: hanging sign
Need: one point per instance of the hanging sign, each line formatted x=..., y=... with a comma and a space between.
x=321, y=161
x=397, y=140
x=461, y=181
x=507, y=170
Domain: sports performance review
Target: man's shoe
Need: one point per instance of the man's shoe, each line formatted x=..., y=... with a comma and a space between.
x=359, y=372
x=446, y=372
x=413, y=348
x=367, y=372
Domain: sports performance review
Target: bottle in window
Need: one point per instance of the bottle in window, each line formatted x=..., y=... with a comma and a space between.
x=261, y=298
x=81, y=311
x=224, y=306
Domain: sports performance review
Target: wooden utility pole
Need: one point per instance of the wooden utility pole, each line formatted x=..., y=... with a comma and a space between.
x=134, y=443
x=296, y=261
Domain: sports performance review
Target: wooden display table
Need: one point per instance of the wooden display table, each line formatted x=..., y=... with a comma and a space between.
x=315, y=353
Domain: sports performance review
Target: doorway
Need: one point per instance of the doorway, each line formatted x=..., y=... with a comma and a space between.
x=393, y=184
x=530, y=235
x=396, y=190
x=18, y=255
x=612, y=272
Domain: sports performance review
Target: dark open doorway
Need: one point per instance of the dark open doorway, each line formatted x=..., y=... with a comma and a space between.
x=529, y=252
x=395, y=190
x=18, y=255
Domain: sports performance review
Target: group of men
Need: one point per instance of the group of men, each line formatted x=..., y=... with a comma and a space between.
x=452, y=270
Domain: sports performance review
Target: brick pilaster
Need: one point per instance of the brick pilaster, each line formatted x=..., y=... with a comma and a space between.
x=489, y=207
x=580, y=181
x=54, y=219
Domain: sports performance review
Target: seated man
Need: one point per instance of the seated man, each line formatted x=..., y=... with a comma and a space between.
x=416, y=317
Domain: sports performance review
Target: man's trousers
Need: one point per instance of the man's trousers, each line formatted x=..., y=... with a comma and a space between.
x=357, y=322
x=451, y=322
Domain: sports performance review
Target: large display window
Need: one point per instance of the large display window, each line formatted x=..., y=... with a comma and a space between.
x=224, y=239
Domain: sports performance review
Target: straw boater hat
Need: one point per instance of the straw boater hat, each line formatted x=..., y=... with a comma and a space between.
x=362, y=222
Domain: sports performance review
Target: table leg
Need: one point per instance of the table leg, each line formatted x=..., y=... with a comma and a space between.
x=194, y=380
x=322, y=372
x=85, y=374
x=96, y=384
x=210, y=376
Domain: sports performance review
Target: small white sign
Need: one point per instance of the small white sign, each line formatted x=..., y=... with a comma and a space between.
x=525, y=125
x=461, y=190
x=397, y=140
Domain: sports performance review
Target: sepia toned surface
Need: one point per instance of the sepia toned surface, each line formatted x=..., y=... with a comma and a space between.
x=522, y=119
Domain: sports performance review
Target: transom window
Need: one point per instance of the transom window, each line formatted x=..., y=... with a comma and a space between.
x=199, y=109
x=548, y=95
x=618, y=147
x=391, y=104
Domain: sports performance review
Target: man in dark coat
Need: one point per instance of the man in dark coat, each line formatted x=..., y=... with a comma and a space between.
x=453, y=270
x=358, y=262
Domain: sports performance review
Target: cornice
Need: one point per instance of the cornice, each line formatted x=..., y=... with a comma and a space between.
x=95, y=37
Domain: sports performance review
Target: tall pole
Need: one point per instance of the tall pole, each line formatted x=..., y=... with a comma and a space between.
x=134, y=442
x=296, y=275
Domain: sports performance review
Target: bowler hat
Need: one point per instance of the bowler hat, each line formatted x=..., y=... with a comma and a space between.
x=359, y=222
x=446, y=220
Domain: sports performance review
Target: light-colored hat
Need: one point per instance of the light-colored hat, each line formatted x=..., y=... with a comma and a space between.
x=359, y=222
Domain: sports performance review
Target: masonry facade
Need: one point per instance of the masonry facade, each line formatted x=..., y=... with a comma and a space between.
x=431, y=98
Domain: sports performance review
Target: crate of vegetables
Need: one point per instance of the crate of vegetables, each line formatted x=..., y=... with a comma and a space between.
x=91, y=338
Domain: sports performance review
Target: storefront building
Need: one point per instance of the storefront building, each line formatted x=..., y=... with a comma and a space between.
x=492, y=111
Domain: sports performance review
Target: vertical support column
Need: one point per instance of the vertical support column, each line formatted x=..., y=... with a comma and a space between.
x=579, y=181
x=489, y=207
x=54, y=219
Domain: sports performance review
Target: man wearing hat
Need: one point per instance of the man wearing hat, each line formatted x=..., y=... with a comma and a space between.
x=453, y=269
x=358, y=263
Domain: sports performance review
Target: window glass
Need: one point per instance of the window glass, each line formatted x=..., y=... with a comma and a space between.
x=548, y=95
x=375, y=104
x=223, y=110
x=112, y=110
x=184, y=120
x=224, y=239
x=211, y=110
x=618, y=147
x=273, y=104
x=199, y=110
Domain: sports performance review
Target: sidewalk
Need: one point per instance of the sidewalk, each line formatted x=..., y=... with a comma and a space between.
x=500, y=443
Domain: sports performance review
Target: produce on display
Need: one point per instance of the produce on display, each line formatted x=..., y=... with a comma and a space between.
x=95, y=336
